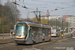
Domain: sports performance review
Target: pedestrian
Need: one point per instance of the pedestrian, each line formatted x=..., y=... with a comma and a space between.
x=10, y=35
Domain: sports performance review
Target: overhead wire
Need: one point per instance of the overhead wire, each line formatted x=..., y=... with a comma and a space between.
x=49, y=1
x=67, y=12
x=56, y=2
x=52, y=2
x=69, y=4
x=63, y=3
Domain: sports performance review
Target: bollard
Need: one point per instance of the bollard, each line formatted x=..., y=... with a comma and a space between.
x=62, y=35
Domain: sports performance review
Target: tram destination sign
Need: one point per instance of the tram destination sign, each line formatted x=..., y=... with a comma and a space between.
x=20, y=24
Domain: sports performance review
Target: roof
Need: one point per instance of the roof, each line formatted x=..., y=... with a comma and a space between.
x=36, y=24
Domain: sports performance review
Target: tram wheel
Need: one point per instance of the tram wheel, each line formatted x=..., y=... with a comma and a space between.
x=17, y=44
x=50, y=39
x=34, y=42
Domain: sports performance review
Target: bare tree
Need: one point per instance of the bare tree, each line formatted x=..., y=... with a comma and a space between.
x=7, y=15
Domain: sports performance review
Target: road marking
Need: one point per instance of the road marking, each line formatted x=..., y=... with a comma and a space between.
x=30, y=48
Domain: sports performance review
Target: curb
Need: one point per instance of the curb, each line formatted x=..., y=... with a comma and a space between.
x=47, y=42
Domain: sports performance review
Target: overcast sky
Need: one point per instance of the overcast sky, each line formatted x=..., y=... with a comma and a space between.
x=65, y=7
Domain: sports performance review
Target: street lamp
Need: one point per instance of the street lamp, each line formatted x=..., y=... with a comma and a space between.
x=67, y=27
x=62, y=28
x=48, y=16
x=56, y=23
x=15, y=10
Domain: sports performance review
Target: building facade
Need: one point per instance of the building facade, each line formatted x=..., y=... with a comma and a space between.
x=71, y=21
x=52, y=17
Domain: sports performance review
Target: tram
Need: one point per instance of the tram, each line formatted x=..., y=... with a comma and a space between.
x=30, y=33
x=55, y=33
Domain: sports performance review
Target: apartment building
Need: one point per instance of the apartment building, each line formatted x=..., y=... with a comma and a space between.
x=71, y=21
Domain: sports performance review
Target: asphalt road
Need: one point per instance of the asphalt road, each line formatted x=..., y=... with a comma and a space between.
x=55, y=44
x=68, y=44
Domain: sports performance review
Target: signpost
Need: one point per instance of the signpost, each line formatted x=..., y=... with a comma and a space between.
x=62, y=34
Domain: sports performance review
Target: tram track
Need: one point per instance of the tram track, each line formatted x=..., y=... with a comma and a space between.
x=14, y=46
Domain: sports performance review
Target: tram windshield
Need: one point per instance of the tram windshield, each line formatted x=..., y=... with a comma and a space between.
x=20, y=29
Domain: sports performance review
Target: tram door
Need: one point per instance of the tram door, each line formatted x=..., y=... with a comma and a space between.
x=30, y=35
x=47, y=34
x=35, y=34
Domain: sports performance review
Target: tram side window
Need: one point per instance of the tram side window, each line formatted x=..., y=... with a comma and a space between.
x=35, y=31
x=40, y=31
x=49, y=31
x=44, y=31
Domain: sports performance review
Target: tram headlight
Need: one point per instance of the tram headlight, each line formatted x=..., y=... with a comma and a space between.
x=20, y=36
x=16, y=38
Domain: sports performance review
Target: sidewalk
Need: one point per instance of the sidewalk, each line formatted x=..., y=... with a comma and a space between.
x=66, y=33
x=6, y=36
x=4, y=41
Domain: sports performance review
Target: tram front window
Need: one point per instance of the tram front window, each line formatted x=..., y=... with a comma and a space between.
x=20, y=30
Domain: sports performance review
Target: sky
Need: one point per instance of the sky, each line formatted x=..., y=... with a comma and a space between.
x=64, y=7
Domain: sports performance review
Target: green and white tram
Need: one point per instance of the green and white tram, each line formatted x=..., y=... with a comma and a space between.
x=29, y=33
